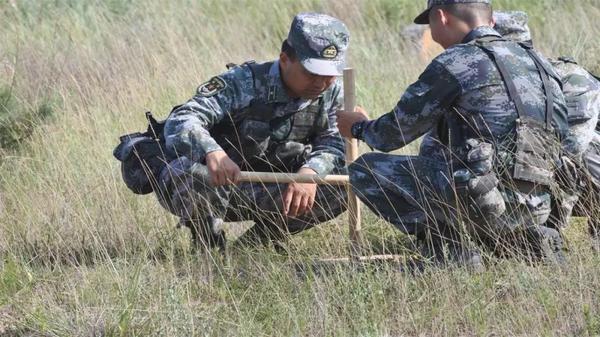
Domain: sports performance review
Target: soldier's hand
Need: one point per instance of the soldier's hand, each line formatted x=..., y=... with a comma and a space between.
x=299, y=199
x=346, y=119
x=222, y=170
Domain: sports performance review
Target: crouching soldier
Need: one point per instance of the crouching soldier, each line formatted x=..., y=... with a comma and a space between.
x=580, y=190
x=497, y=109
x=278, y=116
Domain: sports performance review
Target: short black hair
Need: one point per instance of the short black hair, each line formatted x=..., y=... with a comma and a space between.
x=288, y=50
x=471, y=13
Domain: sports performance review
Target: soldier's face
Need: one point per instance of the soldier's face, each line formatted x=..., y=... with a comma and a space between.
x=299, y=81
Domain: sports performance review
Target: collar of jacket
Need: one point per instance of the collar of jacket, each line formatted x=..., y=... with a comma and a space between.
x=480, y=32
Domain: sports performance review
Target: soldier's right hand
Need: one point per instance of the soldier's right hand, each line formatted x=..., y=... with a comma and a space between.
x=222, y=170
x=346, y=119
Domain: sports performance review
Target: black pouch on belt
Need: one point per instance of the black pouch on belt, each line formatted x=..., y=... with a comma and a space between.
x=142, y=157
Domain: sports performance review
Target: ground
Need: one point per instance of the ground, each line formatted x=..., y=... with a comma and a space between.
x=82, y=256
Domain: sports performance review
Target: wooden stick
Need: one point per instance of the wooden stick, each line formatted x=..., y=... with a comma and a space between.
x=354, y=216
x=369, y=258
x=286, y=178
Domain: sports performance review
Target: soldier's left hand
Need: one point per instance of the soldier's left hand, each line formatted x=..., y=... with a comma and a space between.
x=346, y=119
x=299, y=199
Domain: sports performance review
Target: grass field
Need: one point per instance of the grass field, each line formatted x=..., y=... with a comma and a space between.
x=82, y=256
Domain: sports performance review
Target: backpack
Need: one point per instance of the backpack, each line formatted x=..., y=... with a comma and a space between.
x=537, y=147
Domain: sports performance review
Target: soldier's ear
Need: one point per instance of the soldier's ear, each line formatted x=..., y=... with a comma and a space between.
x=284, y=59
x=443, y=16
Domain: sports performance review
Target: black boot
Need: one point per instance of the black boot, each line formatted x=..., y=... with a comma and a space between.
x=206, y=233
x=264, y=233
x=545, y=244
x=447, y=249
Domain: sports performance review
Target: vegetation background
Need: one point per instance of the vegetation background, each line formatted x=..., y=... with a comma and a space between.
x=82, y=256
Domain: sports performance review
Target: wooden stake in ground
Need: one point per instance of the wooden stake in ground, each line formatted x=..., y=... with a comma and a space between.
x=354, y=216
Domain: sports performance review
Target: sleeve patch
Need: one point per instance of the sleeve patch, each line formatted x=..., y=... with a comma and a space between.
x=212, y=87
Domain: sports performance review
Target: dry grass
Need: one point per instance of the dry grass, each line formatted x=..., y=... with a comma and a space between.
x=81, y=256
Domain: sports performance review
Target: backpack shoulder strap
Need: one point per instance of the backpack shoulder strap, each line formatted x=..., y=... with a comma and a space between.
x=260, y=106
x=567, y=59
x=544, y=73
x=510, y=84
x=259, y=72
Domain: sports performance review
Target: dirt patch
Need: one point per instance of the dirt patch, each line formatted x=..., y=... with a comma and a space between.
x=8, y=321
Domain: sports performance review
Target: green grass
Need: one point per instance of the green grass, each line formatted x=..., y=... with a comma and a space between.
x=18, y=120
x=82, y=256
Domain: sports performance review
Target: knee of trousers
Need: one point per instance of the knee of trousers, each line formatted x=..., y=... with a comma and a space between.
x=319, y=214
x=330, y=202
x=185, y=190
x=360, y=172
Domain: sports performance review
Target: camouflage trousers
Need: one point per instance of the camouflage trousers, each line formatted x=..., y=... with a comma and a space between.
x=185, y=190
x=592, y=159
x=417, y=195
x=582, y=201
x=588, y=203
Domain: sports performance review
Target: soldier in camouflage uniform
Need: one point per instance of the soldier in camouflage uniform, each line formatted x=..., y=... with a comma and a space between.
x=590, y=201
x=277, y=116
x=582, y=94
x=493, y=115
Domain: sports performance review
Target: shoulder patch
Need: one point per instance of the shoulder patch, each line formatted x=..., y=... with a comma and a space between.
x=212, y=87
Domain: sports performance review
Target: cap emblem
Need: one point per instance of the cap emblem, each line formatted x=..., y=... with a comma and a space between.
x=329, y=52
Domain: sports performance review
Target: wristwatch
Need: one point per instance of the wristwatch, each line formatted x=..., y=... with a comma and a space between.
x=357, y=130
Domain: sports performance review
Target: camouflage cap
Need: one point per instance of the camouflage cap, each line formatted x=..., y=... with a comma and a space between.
x=320, y=42
x=423, y=18
x=513, y=25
